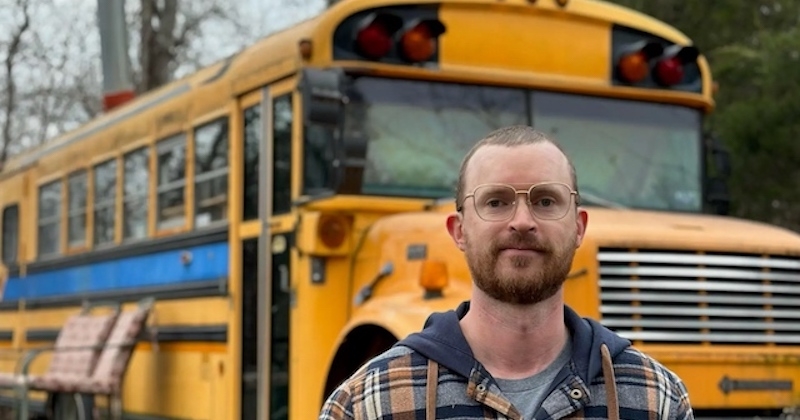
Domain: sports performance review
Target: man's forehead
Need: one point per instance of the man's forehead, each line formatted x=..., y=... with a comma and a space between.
x=538, y=159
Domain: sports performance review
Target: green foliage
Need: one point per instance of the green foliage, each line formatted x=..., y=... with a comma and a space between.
x=753, y=48
x=759, y=106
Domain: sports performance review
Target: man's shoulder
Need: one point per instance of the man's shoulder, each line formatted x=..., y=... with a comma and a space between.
x=641, y=377
x=375, y=382
x=632, y=362
x=394, y=356
x=394, y=363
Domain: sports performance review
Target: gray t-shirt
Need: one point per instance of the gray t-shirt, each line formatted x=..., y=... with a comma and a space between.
x=527, y=394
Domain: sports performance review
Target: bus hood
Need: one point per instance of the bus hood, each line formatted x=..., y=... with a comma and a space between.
x=402, y=234
x=662, y=230
x=399, y=243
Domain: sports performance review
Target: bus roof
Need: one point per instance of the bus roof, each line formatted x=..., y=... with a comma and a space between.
x=238, y=73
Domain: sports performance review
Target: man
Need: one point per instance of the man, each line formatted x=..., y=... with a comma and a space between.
x=515, y=350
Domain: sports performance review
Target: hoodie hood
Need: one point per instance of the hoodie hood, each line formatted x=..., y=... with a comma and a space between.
x=441, y=340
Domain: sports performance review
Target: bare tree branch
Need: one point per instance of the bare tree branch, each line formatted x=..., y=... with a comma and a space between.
x=51, y=79
x=11, y=86
x=166, y=39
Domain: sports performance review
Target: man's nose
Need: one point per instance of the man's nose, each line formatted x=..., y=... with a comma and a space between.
x=523, y=220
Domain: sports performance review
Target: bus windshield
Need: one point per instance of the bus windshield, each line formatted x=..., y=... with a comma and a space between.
x=626, y=153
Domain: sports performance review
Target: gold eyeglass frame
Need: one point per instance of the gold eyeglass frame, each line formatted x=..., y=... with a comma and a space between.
x=527, y=193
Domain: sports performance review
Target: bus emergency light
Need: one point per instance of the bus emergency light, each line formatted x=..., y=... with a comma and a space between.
x=433, y=277
x=634, y=66
x=419, y=42
x=333, y=230
x=669, y=70
x=374, y=39
x=391, y=36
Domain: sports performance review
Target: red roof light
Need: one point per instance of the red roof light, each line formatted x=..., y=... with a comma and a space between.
x=419, y=42
x=669, y=71
x=375, y=38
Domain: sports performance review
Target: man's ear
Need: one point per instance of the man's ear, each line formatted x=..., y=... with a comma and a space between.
x=581, y=221
x=455, y=228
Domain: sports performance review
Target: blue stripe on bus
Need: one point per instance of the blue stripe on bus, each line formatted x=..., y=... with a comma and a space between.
x=208, y=262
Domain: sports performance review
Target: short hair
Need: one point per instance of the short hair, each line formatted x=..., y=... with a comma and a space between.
x=515, y=135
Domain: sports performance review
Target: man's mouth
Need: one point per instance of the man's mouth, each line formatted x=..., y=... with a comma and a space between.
x=522, y=249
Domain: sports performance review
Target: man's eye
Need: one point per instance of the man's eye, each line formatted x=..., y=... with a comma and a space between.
x=495, y=203
x=546, y=202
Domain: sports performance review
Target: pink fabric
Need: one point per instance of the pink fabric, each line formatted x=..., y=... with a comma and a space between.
x=108, y=375
x=75, y=354
x=91, y=354
x=76, y=351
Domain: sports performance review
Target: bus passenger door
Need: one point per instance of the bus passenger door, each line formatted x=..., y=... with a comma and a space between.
x=266, y=239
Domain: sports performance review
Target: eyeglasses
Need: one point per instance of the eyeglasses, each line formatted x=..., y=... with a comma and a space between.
x=498, y=202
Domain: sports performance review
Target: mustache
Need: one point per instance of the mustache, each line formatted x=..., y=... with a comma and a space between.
x=527, y=242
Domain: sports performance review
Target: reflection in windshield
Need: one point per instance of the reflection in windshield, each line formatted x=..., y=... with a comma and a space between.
x=418, y=132
x=635, y=154
x=627, y=153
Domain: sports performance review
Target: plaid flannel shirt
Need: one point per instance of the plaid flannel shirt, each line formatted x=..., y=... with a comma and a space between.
x=394, y=386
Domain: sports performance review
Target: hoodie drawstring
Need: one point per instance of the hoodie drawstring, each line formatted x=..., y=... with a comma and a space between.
x=433, y=382
x=612, y=404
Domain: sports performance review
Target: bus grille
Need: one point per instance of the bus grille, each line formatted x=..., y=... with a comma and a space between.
x=666, y=296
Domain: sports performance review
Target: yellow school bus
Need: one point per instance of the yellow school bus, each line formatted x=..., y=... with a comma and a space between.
x=285, y=207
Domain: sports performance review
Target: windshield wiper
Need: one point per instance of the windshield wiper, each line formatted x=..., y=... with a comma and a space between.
x=589, y=198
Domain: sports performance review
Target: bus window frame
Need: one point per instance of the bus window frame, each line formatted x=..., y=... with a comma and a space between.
x=4, y=245
x=58, y=218
x=101, y=161
x=270, y=224
x=149, y=148
x=160, y=145
x=247, y=216
x=77, y=246
x=223, y=116
x=242, y=229
x=545, y=100
x=276, y=208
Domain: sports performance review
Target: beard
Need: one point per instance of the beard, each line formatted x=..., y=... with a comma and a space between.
x=522, y=279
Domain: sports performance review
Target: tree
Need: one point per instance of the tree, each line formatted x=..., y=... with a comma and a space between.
x=759, y=106
x=713, y=24
x=51, y=77
x=164, y=39
x=753, y=49
x=12, y=49
x=44, y=87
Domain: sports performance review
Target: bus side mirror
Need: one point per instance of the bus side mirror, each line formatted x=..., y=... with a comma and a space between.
x=717, y=196
x=323, y=99
x=720, y=157
x=718, y=170
x=324, y=153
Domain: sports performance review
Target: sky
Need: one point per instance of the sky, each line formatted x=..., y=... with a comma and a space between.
x=60, y=53
x=69, y=26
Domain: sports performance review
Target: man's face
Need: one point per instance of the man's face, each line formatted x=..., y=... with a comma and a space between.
x=523, y=259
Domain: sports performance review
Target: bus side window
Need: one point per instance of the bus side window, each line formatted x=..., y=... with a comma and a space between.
x=10, y=237
x=76, y=209
x=171, y=182
x=105, y=192
x=49, y=234
x=135, y=182
x=282, y=154
x=211, y=172
x=252, y=140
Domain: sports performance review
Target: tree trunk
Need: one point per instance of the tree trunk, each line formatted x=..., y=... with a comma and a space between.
x=158, y=44
x=10, y=85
